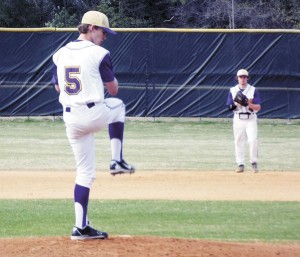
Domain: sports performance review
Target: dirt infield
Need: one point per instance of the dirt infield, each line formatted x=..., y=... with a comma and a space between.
x=140, y=247
x=179, y=185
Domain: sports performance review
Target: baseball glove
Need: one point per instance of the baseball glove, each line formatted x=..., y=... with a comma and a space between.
x=241, y=99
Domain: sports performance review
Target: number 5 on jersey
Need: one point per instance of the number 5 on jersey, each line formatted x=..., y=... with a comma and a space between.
x=73, y=83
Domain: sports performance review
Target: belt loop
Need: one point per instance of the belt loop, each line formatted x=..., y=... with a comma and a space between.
x=90, y=105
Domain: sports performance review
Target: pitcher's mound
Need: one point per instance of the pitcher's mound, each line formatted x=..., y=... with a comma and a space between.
x=140, y=246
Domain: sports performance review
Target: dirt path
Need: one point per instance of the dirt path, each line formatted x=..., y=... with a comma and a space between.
x=179, y=185
x=175, y=185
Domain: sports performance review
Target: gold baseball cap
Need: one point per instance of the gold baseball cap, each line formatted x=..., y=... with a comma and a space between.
x=98, y=19
x=242, y=72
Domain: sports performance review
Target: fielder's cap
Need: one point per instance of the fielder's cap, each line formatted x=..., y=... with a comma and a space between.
x=242, y=72
x=98, y=19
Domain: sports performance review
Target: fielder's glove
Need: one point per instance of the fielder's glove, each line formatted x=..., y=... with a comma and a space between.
x=241, y=99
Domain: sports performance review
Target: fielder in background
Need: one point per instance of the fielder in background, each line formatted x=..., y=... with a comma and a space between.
x=244, y=100
x=82, y=69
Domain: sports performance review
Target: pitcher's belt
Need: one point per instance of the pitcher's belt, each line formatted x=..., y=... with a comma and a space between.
x=89, y=105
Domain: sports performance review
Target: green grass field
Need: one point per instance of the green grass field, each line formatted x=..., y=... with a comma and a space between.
x=175, y=145
x=217, y=220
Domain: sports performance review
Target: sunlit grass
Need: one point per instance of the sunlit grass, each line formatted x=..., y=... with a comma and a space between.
x=42, y=144
x=218, y=220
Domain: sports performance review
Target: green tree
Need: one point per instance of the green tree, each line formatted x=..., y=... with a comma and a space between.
x=21, y=14
x=124, y=14
x=154, y=13
x=63, y=19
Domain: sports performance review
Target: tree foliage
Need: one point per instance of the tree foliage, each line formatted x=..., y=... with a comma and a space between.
x=151, y=13
x=23, y=13
x=63, y=19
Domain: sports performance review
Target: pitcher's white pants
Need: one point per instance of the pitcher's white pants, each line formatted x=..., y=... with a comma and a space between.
x=245, y=130
x=81, y=124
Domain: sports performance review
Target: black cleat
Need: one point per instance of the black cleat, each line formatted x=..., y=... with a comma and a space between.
x=240, y=168
x=87, y=233
x=254, y=167
x=120, y=167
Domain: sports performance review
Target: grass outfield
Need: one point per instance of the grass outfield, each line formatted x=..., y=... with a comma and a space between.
x=207, y=145
x=175, y=145
x=217, y=220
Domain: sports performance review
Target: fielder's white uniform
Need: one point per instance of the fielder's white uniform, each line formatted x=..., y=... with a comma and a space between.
x=82, y=97
x=245, y=124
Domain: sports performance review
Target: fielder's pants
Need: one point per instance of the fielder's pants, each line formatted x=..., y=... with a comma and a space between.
x=245, y=130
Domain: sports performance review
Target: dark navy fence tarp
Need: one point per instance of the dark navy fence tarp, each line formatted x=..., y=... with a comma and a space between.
x=161, y=73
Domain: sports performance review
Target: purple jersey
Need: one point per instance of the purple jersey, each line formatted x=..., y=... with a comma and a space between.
x=106, y=69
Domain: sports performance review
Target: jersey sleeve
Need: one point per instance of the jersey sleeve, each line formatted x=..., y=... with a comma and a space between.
x=256, y=98
x=229, y=99
x=106, y=69
x=54, y=75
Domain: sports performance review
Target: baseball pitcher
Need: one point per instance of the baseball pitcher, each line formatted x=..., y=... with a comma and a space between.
x=244, y=100
x=82, y=69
